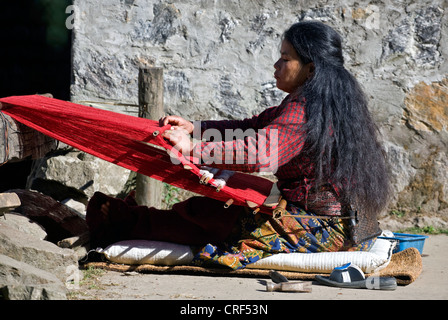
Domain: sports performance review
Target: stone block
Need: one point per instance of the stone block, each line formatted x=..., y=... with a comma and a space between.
x=8, y=201
x=62, y=176
x=426, y=107
x=22, y=281
x=38, y=253
x=23, y=224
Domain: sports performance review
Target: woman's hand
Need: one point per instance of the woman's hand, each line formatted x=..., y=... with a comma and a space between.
x=177, y=123
x=180, y=139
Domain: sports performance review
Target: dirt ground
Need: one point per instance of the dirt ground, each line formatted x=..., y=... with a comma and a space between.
x=432, y=284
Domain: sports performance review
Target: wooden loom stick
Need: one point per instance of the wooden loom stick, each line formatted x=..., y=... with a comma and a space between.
x=228, y=203
x=280, y=209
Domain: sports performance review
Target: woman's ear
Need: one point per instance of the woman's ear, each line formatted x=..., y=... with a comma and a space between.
x=311, y=69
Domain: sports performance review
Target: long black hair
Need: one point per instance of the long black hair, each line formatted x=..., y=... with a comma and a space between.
x=342, y=138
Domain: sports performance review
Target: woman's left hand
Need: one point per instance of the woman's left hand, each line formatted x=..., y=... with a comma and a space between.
x=180, y=139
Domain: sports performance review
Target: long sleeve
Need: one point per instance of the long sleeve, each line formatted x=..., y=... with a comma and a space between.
x=261, y=143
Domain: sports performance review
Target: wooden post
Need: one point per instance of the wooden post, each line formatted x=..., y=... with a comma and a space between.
x=150, y=100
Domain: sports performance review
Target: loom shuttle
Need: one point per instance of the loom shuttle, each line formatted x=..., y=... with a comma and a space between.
x=296, y=286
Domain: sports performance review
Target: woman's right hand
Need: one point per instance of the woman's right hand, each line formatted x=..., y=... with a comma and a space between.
x=177, y=122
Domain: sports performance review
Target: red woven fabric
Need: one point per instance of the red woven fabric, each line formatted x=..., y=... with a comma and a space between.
x=131, y=142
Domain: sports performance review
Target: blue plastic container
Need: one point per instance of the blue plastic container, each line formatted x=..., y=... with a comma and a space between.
x=405, y=241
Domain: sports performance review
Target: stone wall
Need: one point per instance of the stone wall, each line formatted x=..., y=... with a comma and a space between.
x=218, y=63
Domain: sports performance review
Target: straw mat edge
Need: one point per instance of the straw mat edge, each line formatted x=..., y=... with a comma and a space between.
x=405, y=266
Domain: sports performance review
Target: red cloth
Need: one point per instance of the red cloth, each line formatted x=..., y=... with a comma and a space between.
x=126, y=141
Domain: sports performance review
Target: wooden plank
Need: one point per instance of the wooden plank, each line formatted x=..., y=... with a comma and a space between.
x=18, y=142
x=59, y=221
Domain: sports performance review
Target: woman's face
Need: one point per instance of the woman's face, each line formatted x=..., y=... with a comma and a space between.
x=290, y=73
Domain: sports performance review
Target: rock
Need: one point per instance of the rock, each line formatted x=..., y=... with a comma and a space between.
x=428, y=27
x=32, y=268
x=80, y=245
x=74, y=242
x=78, y=207
x=426, y=106
x=434, y=222
x=59, y=221
x=395, y=224
x=21, y=281
x=23, y=224
x=38, y=253
x=438, y=222
x=8, y=201
x=77, y=175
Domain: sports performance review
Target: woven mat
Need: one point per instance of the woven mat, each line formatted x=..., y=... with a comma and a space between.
x=405, y=266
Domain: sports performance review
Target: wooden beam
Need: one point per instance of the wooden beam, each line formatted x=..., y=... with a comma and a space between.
x=19, y=142
x=150, y=98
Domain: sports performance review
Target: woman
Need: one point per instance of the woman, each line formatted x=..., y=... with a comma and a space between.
x=328, y=157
